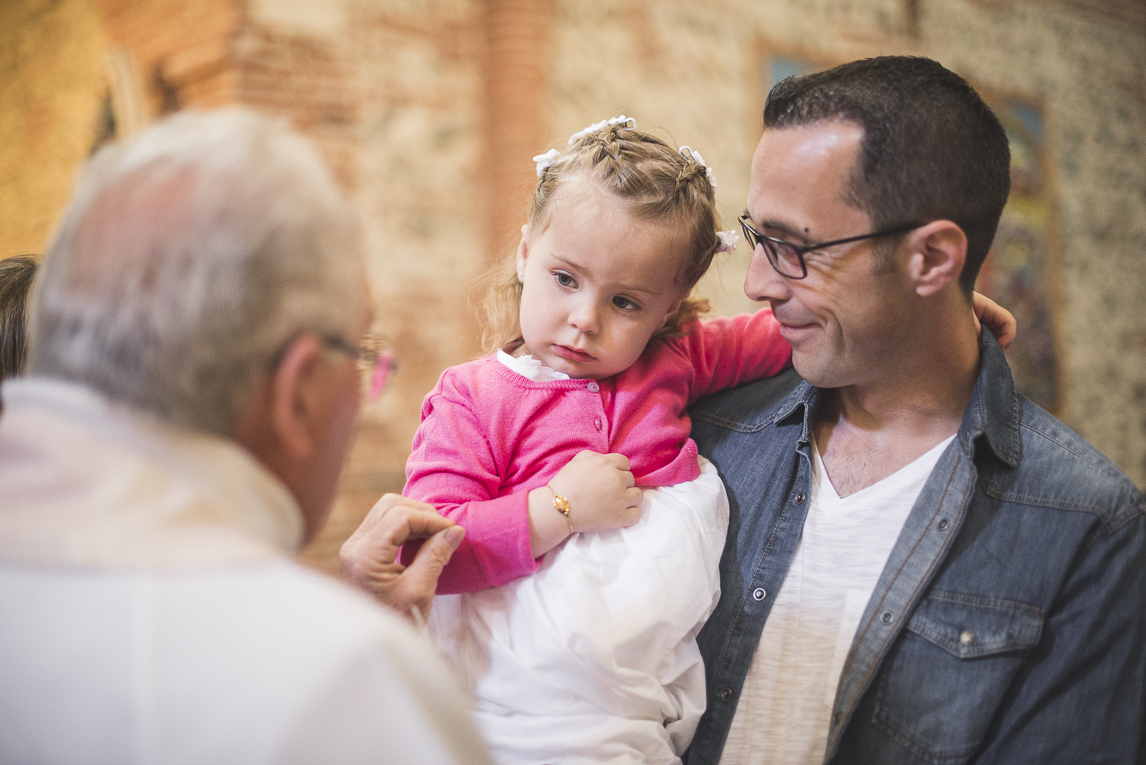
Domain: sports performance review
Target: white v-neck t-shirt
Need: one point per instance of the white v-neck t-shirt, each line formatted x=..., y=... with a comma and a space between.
x=785, y=708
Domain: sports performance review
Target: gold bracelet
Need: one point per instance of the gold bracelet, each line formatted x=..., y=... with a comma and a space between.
x=561, y=505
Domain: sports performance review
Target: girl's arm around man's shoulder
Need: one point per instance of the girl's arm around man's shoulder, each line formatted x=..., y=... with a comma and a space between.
x=730, y=350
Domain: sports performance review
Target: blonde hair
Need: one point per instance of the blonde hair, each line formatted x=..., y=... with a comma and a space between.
x=652, y=182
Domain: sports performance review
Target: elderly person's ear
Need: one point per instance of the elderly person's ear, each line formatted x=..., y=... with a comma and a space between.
x=288, y=411
x=297, y=404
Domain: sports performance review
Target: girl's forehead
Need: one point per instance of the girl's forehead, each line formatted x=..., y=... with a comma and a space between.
x=608, y=242
x=584, y=199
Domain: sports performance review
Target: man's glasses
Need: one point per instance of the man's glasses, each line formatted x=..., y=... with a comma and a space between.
x=788, y=258
x=374, y=355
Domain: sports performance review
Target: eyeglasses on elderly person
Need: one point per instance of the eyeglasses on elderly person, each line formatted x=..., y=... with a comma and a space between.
x=374, y=355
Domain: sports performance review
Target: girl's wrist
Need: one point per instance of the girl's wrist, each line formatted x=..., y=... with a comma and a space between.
x=548, y=527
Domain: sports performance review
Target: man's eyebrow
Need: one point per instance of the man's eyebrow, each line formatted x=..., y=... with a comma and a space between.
x=785, y=228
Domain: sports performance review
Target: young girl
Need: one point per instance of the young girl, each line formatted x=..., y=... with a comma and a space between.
x=594, y=531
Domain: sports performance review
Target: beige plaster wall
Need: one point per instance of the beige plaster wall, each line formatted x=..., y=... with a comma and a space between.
x=51, y=86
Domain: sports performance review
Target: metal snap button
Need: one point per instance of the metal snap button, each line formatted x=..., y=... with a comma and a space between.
x=966, y=637
x=726, y=694
x=886, y=618
x=942, y=524
x=800, y=497
x=593, y=387
x=759, y=593
x=597, y=422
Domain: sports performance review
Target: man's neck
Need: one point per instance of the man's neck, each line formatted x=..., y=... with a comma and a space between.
x=866, y=432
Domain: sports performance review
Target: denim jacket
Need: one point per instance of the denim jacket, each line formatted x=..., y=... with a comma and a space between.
x=1009, y=624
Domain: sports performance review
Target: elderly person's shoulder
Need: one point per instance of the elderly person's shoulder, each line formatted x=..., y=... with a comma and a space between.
x=260, y=663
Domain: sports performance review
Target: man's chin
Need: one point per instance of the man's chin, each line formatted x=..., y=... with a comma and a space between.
x=814, y=369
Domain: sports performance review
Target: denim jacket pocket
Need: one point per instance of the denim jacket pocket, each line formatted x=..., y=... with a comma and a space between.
x=944, y=679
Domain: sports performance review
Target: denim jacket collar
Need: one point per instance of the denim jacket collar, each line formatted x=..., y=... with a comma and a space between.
x=992, y=412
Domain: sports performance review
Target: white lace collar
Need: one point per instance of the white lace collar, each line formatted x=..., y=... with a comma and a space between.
x=530, y=368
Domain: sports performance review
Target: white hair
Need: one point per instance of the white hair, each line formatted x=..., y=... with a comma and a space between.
x=187, y=259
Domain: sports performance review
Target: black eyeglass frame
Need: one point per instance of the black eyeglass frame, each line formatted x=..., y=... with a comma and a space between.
x=769, y=243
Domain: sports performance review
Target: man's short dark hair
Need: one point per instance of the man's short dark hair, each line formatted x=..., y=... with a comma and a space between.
x=932, y=150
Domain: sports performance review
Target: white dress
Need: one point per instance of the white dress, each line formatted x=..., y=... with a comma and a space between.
x=593, y=658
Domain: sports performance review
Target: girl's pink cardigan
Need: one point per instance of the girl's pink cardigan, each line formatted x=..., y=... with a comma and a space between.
x=488, y=435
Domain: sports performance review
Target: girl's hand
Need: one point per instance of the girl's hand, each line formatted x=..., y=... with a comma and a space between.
x=601, y=495
x=999, y=320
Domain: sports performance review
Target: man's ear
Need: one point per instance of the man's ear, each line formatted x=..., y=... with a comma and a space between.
x=292, y=401
x=938, y=252
x=522, y=253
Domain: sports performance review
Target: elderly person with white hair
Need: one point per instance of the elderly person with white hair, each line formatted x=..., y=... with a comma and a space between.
x=191, y=393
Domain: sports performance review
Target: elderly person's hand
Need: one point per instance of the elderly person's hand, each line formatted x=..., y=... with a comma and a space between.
x=369, y=557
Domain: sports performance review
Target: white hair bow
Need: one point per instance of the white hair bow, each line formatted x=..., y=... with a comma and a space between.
x=728, y=241
x=545, y=161
x=691, y=154
x=598, y=125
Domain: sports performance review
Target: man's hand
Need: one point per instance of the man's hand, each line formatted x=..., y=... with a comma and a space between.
x=369, y=558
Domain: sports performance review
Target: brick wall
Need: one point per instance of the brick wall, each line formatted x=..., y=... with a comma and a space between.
x=181, y=48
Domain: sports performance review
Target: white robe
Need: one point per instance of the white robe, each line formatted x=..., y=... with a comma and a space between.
x=149, y=612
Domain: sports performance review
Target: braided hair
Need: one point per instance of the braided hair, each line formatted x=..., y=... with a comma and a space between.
x=651, y=181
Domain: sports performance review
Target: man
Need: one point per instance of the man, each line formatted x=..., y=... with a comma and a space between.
x=192, y=390
x=922, y=566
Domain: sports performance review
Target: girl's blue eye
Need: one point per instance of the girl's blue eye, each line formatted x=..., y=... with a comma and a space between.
x=625, y=304
x=564, y=280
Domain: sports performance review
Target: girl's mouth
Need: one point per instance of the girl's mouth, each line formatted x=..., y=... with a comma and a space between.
x=573, y=354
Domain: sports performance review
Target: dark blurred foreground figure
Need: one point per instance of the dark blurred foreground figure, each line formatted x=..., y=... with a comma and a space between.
x=191, y=392
x=923, y=566
x=16, y=275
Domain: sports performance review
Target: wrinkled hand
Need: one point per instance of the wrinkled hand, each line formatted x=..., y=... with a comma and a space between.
x=999, y=320
x=369, y=558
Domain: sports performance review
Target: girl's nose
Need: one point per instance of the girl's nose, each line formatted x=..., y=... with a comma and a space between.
x=584, y=318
